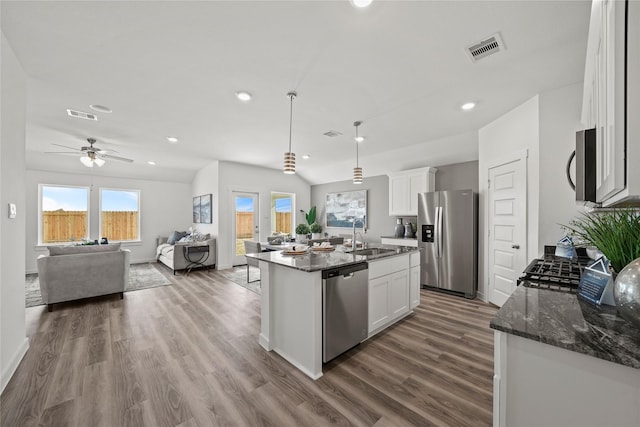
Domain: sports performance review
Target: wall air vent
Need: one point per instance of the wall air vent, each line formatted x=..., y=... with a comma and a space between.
x=332, y=133
x=482, y=49
x=81, y=115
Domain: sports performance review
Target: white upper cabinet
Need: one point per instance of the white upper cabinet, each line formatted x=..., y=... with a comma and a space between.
x=404, y=187
x=604, y=94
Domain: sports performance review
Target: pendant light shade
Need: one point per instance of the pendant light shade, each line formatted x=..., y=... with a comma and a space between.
x=357, y=171
x=289, y=156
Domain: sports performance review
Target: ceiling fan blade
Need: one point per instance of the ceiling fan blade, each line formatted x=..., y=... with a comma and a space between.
x=61, y=152
x=122, y=159
x=66, y=146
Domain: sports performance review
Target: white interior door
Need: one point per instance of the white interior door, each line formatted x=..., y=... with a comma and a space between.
x=245, y=223
x=507, y=210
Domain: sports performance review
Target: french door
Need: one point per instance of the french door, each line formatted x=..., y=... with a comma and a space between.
x=245, y=223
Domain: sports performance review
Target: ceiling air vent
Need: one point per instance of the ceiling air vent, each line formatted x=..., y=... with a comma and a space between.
x=332, y=133
x=81, y=115
x=486, y=47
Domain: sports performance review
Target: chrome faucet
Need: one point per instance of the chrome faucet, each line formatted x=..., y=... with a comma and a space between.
x=354, y=245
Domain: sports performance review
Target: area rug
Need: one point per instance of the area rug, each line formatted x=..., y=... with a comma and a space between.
x=238, y=275
x=141, y=276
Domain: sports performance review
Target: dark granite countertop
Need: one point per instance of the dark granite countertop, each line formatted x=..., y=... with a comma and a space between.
x=318, y=261
x=393, y=237
x=563, y=320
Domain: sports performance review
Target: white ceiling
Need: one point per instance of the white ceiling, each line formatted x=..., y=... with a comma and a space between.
x=172, y=68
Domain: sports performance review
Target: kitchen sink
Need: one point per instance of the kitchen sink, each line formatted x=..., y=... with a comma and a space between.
x=375, y=252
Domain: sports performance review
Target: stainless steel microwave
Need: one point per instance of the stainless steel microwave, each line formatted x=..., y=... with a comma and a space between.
x=585, y=158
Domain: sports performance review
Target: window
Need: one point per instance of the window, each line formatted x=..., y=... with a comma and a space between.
x=63, y=213
x=282, y=212
x=119, y=214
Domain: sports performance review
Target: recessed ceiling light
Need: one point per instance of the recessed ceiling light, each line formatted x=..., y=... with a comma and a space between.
x=172, y=139
x=100, y=108
x=243, y=96
x=468, y=106
x=361, y=3
x=306, y=156
x=151, y=162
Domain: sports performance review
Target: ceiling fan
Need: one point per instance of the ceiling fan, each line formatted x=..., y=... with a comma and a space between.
x=94, y=155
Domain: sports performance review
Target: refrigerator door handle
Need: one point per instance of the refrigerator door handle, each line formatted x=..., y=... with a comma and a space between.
x=439, y=231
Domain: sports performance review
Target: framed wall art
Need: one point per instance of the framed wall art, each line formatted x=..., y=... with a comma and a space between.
x=196, y=210
x=202, y=209
x=343, y=208
x=205, y=209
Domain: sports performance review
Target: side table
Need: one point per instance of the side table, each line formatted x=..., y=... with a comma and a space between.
x=197, y=255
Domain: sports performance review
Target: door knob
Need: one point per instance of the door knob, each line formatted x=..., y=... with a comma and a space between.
x=515, y=246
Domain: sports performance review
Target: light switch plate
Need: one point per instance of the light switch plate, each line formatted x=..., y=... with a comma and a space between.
x=13, y=211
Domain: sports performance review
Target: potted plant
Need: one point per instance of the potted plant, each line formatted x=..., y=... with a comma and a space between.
x=316, y=231
x=616, y=233
x=301, y=232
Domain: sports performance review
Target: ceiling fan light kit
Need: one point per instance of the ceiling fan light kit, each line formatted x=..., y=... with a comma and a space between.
x=289, y=156
x=94, y=155
x=90, y=159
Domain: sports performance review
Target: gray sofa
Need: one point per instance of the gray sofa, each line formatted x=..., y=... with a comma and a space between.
x=173, y=256
x=75, y=272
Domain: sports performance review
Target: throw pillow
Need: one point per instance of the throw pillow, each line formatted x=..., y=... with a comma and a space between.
x=176, y=236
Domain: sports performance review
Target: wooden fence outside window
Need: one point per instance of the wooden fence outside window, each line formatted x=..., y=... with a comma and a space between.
x=61, y=226
x=244, y=224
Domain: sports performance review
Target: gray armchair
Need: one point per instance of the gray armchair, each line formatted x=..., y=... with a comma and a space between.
x=251, y=248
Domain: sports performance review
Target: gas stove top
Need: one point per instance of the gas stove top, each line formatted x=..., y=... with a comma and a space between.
x=555, y=273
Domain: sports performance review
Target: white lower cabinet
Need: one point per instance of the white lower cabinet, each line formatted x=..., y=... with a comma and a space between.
x=414, y=287
x=414, y=280
x=388, y=292
x=399, y=294
x=378, y=302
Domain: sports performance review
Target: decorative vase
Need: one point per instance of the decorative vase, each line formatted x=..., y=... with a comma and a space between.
x=301, y=238
x=408, y=230
x=626, y=292
x=316, y=236
x=399, y=228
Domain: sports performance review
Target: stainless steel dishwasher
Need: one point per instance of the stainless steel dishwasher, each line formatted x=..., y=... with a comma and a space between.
x=345, y=309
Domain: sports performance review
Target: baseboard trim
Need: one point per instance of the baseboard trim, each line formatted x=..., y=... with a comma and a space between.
x=15, y=361
x=143, y=261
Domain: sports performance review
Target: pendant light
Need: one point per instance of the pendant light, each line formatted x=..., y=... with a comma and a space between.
x=290, y=157
x=357, y=171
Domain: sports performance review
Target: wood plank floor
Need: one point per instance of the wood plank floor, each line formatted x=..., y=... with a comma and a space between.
x=188, y=355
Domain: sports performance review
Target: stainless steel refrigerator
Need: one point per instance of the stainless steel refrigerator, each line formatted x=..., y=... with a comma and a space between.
x=448, y=240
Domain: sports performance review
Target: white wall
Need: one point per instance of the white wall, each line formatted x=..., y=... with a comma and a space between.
x=241, y=177
x=379, y=223
x=559, y=121
x=13, y=341
x=458, y=176
x=513, y=132
x=164, y=207
x=206, y=182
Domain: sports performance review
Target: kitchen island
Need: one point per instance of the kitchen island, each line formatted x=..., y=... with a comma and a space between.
x=560, y=360
x=291, y=300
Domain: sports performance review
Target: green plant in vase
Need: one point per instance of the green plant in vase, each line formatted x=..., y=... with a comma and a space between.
x=301, y=232
x=315, y=229
x=616, y=233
